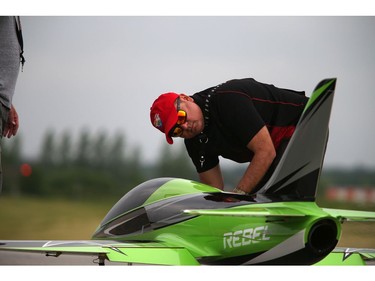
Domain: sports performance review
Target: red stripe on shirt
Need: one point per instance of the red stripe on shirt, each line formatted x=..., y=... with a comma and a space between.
x=263, y=100
x=280, y=133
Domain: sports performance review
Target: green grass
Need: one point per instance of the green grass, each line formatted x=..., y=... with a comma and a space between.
x=59, y=219
x=39, y=219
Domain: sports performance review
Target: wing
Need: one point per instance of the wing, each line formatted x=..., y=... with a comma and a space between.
x=349, y=256
x=350, y=215
x=146, y=253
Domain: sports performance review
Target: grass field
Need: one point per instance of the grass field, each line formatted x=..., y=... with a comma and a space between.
x=58, y=219
x=55, y=219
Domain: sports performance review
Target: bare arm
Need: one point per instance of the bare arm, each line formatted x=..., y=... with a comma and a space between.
x=213, y=177
x=264, y=153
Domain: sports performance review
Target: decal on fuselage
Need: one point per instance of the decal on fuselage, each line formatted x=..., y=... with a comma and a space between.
x=245, y=237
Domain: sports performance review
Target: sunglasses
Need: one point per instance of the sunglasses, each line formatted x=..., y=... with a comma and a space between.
x=176, y=131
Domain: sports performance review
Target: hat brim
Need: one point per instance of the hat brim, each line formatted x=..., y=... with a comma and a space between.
x=172, y=120
x=169, y=139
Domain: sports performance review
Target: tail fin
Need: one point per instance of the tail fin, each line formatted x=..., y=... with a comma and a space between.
x=299, y=169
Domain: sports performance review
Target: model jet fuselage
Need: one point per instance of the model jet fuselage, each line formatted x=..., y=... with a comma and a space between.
x=158, y=211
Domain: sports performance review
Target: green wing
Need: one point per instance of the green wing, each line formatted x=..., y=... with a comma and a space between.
x=146, y=253
x=350, y=215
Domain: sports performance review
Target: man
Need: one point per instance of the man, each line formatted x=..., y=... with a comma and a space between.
x=242, y=120
x=11, y=54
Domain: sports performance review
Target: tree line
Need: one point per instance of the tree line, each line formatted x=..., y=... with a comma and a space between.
x=91, y=165
x=97, y=165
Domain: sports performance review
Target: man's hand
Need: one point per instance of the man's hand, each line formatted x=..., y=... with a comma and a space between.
x=239, y=191
x=11, y=126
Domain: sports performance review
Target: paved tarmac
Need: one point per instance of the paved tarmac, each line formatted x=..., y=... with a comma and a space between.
x=22, y=258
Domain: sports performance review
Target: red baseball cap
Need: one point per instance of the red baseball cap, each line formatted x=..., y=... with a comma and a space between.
x=163, y=114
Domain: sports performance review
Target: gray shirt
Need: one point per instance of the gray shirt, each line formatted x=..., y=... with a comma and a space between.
x=9, y=59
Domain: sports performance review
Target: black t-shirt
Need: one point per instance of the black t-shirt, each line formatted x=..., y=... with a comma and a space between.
x=237, y=111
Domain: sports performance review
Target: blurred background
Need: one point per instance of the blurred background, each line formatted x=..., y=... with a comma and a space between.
x=84, y=95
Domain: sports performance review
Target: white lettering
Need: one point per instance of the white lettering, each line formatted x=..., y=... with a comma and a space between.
x=236, y=238
x=257, y=233
x=228, y=240
x=245, y=237
x=264, y=237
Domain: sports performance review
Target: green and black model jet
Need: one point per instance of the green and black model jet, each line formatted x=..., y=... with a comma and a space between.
x=170, y=221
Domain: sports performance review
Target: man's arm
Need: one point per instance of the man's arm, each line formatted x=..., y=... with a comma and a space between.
x=213, y=177
x=12, y=124
x=264, y=153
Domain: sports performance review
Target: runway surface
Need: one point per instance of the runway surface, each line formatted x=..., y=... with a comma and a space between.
x=22, y=258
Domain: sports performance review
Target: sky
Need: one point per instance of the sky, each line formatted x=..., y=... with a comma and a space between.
x=102, y=73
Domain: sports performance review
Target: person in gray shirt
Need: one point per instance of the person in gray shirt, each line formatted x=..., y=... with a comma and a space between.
x=11, y=57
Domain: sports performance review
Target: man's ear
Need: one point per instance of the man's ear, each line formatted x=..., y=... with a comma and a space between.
x=186, y=98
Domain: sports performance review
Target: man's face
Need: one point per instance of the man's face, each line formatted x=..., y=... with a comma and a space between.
x=194, y=122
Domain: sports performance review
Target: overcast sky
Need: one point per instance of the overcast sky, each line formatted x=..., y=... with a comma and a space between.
x=103, y=73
